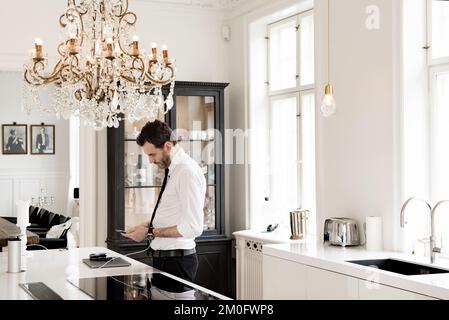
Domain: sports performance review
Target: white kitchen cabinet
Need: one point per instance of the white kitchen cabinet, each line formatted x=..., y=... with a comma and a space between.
x=283, y=279
x=374, y=291
x=327, y=285
x=289, y=280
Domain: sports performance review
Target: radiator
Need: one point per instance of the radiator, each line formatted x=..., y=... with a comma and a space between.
x=249, y=269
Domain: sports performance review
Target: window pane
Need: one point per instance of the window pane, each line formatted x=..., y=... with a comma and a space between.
x=283, y=158
x=283, y=56
x=441, y=136
x=307, y=51
x=440, y=29
x=440, y=180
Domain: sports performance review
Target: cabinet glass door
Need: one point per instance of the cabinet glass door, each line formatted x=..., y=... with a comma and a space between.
x=143, y=180
x=195, y=128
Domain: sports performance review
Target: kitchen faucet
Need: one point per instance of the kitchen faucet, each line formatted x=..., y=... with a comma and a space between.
x=432, y=253
x=434, y=249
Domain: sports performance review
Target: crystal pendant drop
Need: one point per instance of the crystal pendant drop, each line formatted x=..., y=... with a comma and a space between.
x=169, y=102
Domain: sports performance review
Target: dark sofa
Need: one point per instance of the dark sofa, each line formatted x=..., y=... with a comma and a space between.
x=41, y=220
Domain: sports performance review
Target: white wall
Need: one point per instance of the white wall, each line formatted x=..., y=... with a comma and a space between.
x=22, y=176
x=356, y=148
x=236, y=206
x=193, y=35
x=241, y=72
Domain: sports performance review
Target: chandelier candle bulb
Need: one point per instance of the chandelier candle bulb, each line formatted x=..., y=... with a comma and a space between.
x=89, y=61
x=165, y=53
x=135, y=47
x=38, y=51
x=109, y=51
x=154, y=50
x=73, y=48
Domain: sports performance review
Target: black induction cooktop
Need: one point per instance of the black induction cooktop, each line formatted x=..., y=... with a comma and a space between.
x=141, y=286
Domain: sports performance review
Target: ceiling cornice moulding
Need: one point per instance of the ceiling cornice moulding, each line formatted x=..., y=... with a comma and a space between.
x=209, y=4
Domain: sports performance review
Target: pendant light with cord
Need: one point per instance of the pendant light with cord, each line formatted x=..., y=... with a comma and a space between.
x=328, y=105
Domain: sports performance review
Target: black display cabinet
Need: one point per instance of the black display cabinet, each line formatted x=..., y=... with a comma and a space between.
x=134, y=184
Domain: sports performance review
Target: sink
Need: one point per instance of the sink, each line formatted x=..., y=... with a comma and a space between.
x=397, y=266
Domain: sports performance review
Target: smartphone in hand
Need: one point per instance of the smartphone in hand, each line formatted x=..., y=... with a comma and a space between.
x=120, y=230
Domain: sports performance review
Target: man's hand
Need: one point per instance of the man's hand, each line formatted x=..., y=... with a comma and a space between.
x=137, y=233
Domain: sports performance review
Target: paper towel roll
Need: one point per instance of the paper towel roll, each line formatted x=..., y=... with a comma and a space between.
x=374, y=240
x=14, y=252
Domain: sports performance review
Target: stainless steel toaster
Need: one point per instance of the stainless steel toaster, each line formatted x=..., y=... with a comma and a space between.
x=341, y=232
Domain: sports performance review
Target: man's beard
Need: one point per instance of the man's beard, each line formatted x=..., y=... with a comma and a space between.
x=165, y=162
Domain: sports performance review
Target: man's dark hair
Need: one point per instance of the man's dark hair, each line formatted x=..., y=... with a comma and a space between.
x=156, y=133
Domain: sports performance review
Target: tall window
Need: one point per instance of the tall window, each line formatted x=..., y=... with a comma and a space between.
x=288, y=178
x=426, y=129
x=438, y=66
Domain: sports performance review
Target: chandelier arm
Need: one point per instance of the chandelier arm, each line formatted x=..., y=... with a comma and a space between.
x=52, y=77
x=123, y=9
x=110, y=74
x=140, y=69
x=88, y=89
x=88, y=79
x=75, y=69
x=26, y=75
x=132, y=80
x=82, y=8
x=80, y=29
x=126, y=24
x=61, y=49
x=74, y=15
x=160, y=81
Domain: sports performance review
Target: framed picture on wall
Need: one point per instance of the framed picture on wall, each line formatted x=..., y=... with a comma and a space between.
x=42, y=139
x=14, y=139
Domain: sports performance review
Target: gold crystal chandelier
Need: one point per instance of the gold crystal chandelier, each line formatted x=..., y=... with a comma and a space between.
x=101, y=74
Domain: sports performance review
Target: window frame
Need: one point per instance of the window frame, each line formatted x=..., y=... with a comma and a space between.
x=298, y=92
x=435, y=66
x=433, y=72
x=298, y=87
x=430, y=60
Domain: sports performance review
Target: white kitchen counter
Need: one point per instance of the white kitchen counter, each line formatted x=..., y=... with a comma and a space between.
x=333, y=258
x=54, y=267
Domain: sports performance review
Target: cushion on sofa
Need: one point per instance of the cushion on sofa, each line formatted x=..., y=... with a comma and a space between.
x=57, y=231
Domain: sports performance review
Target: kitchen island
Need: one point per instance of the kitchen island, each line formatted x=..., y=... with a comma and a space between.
x=56, y=267
x=313, y=270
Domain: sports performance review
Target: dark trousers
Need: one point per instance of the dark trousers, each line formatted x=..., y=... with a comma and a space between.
x=184, y=267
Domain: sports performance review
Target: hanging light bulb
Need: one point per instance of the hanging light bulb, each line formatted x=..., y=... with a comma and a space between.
x=328, y=105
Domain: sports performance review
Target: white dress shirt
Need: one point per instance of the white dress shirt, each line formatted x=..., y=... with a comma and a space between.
x=181, y=203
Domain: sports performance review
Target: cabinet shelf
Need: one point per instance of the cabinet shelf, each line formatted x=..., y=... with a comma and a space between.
x=155, y=187
x=182, y=140
x=142, y=187
x=196, y=140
